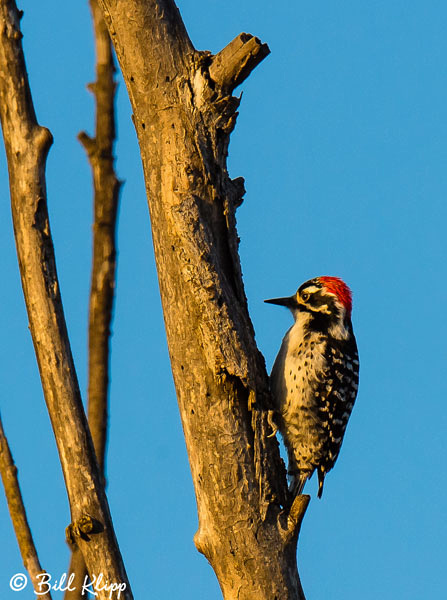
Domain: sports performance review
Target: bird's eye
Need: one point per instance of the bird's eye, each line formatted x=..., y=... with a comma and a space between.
x=305, y=296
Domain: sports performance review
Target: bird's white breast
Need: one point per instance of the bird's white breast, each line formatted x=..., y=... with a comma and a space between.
x=299, y=361
x=299, y=368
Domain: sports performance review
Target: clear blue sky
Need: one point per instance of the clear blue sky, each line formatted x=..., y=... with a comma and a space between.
x=342, y=139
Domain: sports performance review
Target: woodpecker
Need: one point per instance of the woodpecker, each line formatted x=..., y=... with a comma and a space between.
x=315, y=377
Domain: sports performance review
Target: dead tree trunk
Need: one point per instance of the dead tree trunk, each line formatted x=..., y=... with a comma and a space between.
x=184, y=112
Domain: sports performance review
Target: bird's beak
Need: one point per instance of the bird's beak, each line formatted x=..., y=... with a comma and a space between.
x=289, y=302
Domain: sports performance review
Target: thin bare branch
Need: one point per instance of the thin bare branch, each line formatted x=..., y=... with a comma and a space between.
x=27, y=145
x=17, y=512
x=106, y=191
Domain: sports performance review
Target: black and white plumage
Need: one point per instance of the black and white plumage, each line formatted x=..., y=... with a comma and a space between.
x=314, y=379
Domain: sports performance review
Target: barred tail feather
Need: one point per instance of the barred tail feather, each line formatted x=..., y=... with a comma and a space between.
x=298, y=481
x=321, y=475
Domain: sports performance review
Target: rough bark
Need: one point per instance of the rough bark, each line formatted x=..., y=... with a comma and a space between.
x=27, y=145
x=183, y=115
x=17, y=511
x=102, y=288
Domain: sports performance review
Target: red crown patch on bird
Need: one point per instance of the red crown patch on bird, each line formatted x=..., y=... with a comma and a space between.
x=336, y=286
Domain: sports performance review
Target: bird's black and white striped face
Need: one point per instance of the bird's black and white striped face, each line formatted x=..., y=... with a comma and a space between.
x=324, y=304
x=313, y=297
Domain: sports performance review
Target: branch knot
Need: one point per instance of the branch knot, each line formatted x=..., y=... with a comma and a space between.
x=234, y=63
x=289, y=522
x=80, y=528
